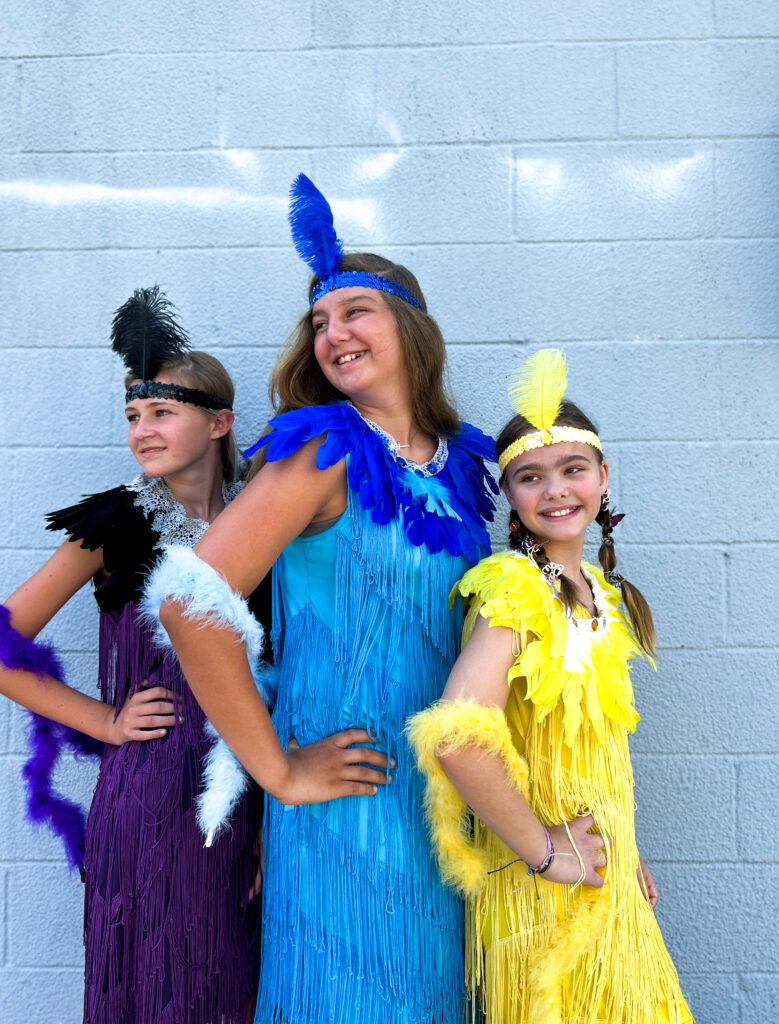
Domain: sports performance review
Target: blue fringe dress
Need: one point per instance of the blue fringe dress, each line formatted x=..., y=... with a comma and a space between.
x=357, y=928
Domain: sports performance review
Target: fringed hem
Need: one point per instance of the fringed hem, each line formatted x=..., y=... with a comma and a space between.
x=349, y=938
x=170, y=936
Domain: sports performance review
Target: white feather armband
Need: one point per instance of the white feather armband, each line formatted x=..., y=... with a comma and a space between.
x=205, y=595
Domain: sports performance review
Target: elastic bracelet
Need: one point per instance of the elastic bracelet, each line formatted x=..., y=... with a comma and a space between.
x=547, y=862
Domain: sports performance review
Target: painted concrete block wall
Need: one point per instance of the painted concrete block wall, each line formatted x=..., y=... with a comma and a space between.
x=598, y=174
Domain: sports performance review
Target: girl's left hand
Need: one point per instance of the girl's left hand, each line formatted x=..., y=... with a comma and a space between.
x=647, y=883
x=147, y=715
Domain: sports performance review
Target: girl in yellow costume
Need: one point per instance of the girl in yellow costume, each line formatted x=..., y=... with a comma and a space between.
x=560, y=921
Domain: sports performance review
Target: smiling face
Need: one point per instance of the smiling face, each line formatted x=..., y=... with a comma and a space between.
x=556, y=490
x=356, y=344
x=169, y=437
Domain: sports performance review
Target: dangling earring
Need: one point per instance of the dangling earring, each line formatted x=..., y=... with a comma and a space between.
x=530, y=547
x=605, y=500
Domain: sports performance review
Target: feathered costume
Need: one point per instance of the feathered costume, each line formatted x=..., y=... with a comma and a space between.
x=559, y=954
x=170, y=935
x=357, y=926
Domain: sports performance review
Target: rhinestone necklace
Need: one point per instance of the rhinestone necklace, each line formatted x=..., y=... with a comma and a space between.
x=429, y=468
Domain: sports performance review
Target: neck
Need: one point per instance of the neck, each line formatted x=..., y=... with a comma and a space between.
x=199, y=491
x=397, y=420
x=569, y=554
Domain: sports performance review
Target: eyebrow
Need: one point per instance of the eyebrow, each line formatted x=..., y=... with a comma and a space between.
x=560, y=462
x=154, y=402
x=361, y=296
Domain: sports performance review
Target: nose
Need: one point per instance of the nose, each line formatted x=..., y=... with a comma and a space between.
x=556, y=486
x=142, y=427
x=337, y=330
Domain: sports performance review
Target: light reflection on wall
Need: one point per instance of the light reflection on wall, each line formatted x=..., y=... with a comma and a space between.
x=60, y=193
x=642, y=175
x=660, y=178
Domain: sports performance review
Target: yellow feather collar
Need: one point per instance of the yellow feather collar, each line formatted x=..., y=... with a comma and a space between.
x=577, y=659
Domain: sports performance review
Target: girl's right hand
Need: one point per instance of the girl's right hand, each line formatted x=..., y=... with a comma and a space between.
x=332, y=767
x=565, y=867
x=147, y=715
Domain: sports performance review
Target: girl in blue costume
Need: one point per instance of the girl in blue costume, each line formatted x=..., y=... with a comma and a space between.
x=371, y=501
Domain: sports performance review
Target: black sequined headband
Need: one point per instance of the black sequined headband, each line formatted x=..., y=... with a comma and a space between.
x=192, y=396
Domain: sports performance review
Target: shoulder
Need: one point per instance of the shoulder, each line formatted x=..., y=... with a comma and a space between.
x=473, y=441
x=93, y=519
x=511, y=591
x=339, y=424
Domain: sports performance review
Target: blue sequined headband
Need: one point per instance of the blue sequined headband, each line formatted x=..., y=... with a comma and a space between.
x=316, y=242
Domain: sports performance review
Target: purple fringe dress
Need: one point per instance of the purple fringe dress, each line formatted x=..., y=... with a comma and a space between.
x=170, y=935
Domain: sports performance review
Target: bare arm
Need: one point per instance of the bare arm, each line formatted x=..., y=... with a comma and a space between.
x=480, y=675
x=32, y=606
x=242, y=545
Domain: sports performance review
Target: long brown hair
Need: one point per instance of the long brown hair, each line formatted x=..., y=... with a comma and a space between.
x=520, y=538
x=205, y=372
x=298, y=381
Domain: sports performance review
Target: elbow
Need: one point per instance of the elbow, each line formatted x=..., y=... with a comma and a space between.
x=170, y=615
x=448, y=760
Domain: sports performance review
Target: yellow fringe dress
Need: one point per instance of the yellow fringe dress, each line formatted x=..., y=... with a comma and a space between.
x=575, y=955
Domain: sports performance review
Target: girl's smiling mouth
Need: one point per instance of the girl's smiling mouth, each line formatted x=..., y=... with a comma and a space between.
x=560, y=513
x=348, y=357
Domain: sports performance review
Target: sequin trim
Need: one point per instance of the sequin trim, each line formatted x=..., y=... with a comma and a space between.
x=176, y=392
x=430, y=468
x=167, y=516
x=541, y=438
x=360, y=278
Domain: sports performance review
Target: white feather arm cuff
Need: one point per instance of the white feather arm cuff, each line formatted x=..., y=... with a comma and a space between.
x=194, y=584
x=183, y=577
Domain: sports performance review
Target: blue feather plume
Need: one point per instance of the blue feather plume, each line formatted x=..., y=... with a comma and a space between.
x=313, y=232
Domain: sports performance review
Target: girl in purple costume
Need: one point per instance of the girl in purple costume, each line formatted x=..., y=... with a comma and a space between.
x=171, y=934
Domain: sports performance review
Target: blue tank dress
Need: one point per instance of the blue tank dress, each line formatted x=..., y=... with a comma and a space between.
x=357, y=928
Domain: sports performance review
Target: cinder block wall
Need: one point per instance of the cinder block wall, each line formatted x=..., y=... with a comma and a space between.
x=595, y=174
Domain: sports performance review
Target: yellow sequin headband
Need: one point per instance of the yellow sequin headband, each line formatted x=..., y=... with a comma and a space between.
x=536, y=395
x=554, y=435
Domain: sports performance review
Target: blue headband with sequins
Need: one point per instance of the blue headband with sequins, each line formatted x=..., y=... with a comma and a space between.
x=316, y=242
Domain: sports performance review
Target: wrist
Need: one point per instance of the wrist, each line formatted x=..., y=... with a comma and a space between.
x=109, y=731
x=280, y=781
x=543, y=866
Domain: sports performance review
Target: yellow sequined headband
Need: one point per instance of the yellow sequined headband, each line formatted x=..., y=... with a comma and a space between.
x=536, y=395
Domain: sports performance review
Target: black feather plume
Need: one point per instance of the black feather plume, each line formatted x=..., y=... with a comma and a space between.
x=145, y=333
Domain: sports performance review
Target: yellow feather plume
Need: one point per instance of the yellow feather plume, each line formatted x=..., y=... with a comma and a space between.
x=539, y=386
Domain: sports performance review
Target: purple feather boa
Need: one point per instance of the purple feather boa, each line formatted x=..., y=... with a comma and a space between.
x=46, y=740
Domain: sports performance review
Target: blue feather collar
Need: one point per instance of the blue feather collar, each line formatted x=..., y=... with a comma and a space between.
x=447, y=511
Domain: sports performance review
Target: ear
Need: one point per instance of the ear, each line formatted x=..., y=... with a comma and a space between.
x=604, y=475
x=507, y=494
x=222, y=423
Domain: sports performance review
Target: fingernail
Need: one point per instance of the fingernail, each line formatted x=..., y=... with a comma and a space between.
x=375, y=790
x=393, y=762
x=163, y=732
x=389, y=778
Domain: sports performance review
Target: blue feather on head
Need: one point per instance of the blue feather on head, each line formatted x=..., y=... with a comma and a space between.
x=313, y=231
